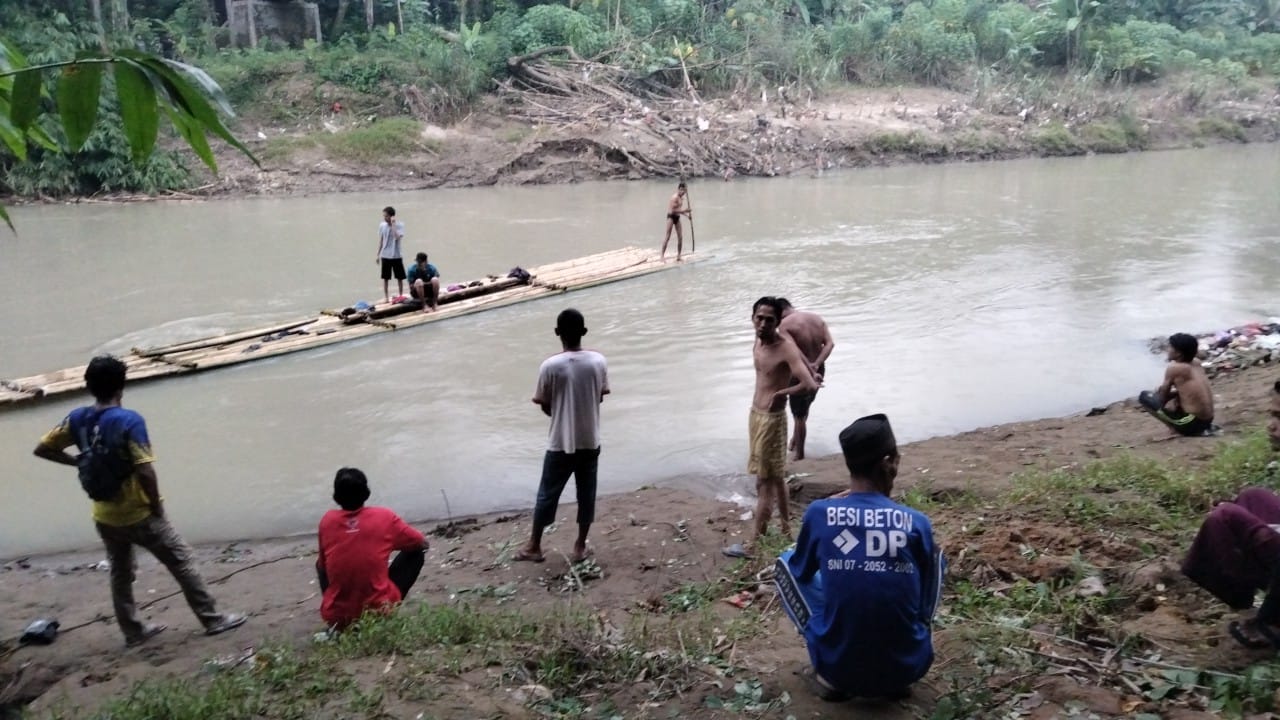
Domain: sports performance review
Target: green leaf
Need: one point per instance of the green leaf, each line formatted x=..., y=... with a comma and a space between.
x=39, y=136
x=186, y=99
x=138, y=112
x=208, y=85
x=193, y=132
x=5, y=217
x=78, y=101
x=15, y=139
x=24, y=105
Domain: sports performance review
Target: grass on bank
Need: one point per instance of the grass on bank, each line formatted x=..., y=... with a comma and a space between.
x=384, y=140
x=1018, y=627
x=997, y=635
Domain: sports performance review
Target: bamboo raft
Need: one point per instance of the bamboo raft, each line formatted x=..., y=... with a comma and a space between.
x=335, y=326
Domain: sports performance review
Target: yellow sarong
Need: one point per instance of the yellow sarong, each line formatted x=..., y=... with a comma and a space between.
x=768, y=455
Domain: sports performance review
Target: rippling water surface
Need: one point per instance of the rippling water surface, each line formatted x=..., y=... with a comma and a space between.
x=959, y=296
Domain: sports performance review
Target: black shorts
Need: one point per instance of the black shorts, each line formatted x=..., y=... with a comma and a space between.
x=392, y=266
x=1182, y=422
x=800, y=402
x=674, y=217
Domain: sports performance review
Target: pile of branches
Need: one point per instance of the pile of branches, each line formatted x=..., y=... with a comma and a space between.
x=555, y=87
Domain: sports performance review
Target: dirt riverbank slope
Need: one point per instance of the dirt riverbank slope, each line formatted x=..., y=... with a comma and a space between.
x=657, y=550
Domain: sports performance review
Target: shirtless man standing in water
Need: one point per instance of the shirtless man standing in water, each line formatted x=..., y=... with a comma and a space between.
x=1184, y=401
x=810, y=333
x=676, y=208
x=780, y=372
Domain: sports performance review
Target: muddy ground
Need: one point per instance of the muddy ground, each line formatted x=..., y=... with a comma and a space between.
x=654, y=541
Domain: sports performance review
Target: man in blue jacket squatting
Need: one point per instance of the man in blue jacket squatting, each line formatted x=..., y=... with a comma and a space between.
x=863, y=580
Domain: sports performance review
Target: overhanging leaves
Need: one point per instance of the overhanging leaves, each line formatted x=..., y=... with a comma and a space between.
x=78, y=90
x=24, y=104
x=186, y=99
x=139, y=115
x=193, y=132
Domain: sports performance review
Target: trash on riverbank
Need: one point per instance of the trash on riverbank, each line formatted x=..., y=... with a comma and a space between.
x=1256, y=343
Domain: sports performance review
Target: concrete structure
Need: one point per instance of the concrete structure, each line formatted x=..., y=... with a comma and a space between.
x=286, y=21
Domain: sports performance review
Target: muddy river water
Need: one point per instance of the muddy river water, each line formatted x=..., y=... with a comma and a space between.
x=958, y=295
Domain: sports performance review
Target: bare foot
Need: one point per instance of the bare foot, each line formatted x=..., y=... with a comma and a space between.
x=580, y=553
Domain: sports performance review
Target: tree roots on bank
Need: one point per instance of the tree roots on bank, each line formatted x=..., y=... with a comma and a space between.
x=656, y=129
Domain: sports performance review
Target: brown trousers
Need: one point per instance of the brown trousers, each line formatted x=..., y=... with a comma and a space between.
x=157, y=536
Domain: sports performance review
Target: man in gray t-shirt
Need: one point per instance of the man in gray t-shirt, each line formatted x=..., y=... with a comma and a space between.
x=571, y=386
x=390, y=234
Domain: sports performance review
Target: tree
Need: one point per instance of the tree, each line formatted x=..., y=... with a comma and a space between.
x=145, y=85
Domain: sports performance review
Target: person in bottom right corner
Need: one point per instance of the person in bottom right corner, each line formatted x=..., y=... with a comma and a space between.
x=864, y=579
x=1236, y=552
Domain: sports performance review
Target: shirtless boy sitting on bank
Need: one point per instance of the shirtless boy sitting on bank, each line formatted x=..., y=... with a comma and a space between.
x=1184, y=401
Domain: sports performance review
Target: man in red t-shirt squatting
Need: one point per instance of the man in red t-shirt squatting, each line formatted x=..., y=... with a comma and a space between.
x=355, y=543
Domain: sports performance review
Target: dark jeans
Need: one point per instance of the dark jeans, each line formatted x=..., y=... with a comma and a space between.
x=556, y=468
x=403, y=571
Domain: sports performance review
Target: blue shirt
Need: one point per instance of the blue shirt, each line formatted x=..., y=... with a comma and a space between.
x=881, y=574
x=415, y=273
x=123, y=429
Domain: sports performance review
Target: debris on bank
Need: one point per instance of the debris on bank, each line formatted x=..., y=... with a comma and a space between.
x=1256, y=343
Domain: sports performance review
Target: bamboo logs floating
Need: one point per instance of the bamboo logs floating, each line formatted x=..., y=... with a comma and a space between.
x=333, y=326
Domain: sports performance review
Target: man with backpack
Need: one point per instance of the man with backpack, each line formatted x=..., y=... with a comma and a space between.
x=116, y=471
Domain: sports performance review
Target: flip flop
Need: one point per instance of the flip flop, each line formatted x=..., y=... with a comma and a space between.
x=575, y=559
x=148, y=631
x=526, y=556
x=735, y=551
x=1237, y=630
x=230, y=621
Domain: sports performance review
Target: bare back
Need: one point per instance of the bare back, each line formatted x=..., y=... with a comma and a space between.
x=1194, y=393
x=808, y=330
x=774, y=363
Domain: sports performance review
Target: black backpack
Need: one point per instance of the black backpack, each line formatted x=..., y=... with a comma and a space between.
x=104, y=466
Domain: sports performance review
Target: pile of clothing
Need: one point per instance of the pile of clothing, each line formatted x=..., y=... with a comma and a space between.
x=1256, y=343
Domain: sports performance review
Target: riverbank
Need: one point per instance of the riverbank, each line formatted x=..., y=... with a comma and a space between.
x=1063, y=536
x=510, y=139
x=764, y=135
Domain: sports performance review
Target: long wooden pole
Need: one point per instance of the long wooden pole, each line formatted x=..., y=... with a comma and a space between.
x=693, y=237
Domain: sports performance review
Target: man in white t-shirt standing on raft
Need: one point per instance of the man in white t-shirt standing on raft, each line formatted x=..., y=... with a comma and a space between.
x=390, y=233
x=571, y=386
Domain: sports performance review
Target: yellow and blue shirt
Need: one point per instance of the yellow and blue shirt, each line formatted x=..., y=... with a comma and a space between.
x=121, y=428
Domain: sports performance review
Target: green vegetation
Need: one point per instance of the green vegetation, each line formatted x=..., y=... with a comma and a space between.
x=1027, y=611
x=437, y=60
x=384, y=140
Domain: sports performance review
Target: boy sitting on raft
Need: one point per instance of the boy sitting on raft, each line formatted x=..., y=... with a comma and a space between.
x=1184, y=401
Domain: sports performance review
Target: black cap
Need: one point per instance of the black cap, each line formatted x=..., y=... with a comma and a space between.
x=866, y=440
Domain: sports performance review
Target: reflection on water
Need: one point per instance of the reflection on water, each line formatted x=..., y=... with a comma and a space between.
x=958, y=295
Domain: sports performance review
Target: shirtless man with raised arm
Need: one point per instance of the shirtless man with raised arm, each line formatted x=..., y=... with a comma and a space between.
x=780, y=372
x=1184, y=401
x=810, y=333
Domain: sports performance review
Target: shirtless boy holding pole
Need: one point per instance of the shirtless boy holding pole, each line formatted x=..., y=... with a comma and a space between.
x=675, y=208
